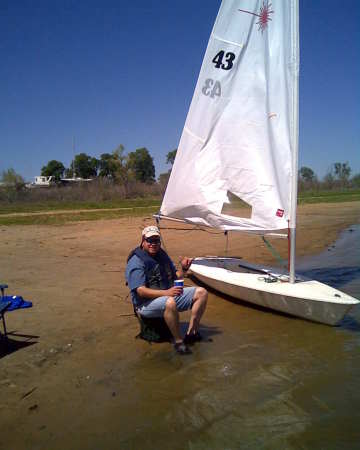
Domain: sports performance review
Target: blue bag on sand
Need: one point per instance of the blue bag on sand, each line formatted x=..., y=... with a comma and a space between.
x=16, y=302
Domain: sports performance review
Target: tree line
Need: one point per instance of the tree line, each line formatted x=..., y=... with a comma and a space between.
x=116, y=166
x=138, y=166
x=337, y=177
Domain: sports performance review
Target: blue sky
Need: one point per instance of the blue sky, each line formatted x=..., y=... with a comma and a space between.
x=120, y=72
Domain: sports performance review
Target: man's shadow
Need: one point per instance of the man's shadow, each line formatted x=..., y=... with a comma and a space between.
x=9, y=345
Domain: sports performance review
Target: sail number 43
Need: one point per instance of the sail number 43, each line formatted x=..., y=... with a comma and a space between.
x=223, y=61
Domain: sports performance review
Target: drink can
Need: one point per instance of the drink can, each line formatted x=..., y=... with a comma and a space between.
x=179, y=283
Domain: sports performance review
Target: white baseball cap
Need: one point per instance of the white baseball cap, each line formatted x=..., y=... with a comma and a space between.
x=150, y=231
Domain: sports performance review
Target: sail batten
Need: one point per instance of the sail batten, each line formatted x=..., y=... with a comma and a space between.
x=194, y=135
x=239, y=132
x=226, y=41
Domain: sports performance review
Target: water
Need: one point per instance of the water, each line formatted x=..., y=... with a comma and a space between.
x=339, y=264
x=266, y=381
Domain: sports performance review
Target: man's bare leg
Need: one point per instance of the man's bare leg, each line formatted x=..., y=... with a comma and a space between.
x=171, y=317
x=197, y=310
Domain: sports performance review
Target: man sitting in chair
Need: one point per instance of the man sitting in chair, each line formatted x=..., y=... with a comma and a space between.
x=150, y=274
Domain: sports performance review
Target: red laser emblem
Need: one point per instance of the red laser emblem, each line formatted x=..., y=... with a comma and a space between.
x=264, y=16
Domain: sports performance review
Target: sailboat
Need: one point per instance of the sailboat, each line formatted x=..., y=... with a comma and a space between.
x=241, y=137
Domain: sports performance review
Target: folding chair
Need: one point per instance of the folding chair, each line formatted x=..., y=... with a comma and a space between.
x=4, y=305
x=154, y=329
x=10, y=303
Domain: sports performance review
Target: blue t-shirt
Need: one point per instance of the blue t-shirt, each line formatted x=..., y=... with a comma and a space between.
x=135, y=277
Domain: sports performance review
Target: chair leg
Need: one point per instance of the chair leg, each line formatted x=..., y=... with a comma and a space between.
x=4, y=325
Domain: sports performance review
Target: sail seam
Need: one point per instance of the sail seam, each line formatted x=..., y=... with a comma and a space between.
x=194, y=135
x=227, y=41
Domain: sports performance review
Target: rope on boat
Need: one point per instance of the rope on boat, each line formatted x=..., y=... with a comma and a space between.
x=268, y=279
x=274, y=252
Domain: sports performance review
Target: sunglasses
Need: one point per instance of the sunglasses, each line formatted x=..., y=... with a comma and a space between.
x=153, y=241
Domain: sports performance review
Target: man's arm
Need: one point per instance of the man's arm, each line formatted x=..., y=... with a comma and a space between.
x=185, y=263
x=145, y=292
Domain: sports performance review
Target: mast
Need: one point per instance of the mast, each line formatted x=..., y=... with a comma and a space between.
x=295, y=135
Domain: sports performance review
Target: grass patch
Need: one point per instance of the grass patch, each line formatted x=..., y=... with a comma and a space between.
x=329, y=197
x=60, y=219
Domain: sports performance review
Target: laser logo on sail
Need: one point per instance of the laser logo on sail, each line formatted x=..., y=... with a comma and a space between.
x=264, y=15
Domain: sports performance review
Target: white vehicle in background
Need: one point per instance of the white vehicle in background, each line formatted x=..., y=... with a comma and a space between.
x=42, y=181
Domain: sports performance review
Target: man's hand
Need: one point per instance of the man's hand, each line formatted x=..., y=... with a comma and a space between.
x=185, y=262
x=173, y=291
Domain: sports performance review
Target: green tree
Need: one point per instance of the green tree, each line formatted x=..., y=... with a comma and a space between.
x=122, y=174
x=307, y=174
x=107, y=166
x=342, y=172
x=141, y=164
x=53, y=168
x=114, y=165
x=85, y=166
x=170, y=157
x=11, y=178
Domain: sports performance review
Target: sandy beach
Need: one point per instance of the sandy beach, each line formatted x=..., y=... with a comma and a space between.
x=63, y=349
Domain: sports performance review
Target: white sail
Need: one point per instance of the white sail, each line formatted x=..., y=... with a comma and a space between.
x=239, y=132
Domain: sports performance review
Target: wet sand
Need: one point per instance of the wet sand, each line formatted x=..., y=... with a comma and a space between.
x=66, y=369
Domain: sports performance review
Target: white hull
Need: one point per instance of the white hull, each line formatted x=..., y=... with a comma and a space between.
x=308, y=299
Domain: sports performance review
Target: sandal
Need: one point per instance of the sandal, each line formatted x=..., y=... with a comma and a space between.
x=190, y=339
x=182, y=348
